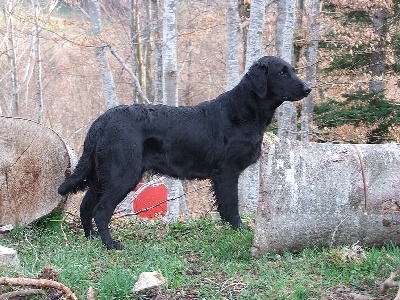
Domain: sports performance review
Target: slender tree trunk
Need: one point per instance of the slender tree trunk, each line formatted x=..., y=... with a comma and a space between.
x=250, y=179
x=379, y=18
x=107, y=79
x=287, y=115
x=169, y=54
x=146, y=32
x=244, y=16
x=189, y=72
x=11, y=57
x=232, y=47
x=157, y=46
x=38, y=64
x=135, y=44
x=254, y=35
x=311, y=69
x=170, y=93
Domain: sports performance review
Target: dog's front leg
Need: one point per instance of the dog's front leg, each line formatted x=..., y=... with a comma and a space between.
x=225, y=187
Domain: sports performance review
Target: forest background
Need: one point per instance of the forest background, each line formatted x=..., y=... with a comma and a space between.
x=348, y=50
x=49, y=72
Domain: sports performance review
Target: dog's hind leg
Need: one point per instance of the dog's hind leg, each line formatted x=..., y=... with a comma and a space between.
x=88, y=204
x=104, y=210
x=118, y=171
x=225, y=187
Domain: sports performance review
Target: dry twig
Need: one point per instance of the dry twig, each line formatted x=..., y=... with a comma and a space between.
x=21, y=293
x=126, y=68
x=43, y=283
x=391, y=282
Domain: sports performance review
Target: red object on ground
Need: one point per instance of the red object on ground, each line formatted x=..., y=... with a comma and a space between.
x=151, y=197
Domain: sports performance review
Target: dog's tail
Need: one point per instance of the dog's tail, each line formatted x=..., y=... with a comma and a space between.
x=78, y=180
x=84, y=171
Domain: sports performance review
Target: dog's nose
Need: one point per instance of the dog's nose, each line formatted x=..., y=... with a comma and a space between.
x=307, y=89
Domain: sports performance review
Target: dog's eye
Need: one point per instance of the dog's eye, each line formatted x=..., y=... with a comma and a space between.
x=282, y=73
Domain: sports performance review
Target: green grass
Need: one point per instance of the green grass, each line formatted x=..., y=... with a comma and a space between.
x=204, y=259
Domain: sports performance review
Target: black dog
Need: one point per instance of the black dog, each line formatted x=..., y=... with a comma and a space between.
x=215, y=139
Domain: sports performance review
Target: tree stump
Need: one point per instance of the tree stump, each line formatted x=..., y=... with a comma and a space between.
x=33, y=163
x=327, y=194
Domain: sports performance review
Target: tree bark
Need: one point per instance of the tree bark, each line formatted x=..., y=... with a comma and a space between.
x=287, y=114
x=38, y=64
x=11, y=57
x=100, y=47
x=311, y=69
x=326, y=195
x=157, y=46
x=169, y=54
x=170, y=93
x=146, y=44
x=33, y=163
x=250, y=178
x=379, y=18
x=232, y=49
x=188, y=85
x=135, y=44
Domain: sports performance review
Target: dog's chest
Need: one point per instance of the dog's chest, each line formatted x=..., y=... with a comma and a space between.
x=244, y=149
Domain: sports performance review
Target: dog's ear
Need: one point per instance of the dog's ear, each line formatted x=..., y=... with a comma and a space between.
x=258, y=78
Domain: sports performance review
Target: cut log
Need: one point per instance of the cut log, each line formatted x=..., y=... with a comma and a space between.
x=327, y=194
x=33, y=163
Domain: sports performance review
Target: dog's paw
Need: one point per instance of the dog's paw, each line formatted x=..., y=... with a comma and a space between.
x=114, y=245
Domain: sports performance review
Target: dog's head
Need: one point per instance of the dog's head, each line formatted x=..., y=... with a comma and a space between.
x=273, y=78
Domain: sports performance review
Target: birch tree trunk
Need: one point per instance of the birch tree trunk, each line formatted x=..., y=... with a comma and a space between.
x=232, y=45
x=326, y=195
x=146, y=44
x=311, y=70
x=134, y=38
x=107, y=79
x=284, y=43
x=250, y=178
x=170, y=94
x=11, y=57
x=169, y=54
x=157, y=46
x=188, y=85
x=38, y=64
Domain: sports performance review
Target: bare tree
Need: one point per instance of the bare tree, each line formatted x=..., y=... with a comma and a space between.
x=11, y=55
x=250, y=178
x=287, y=115
x=146, y=45
x=100, y=47
x=38, y=63
x=232, y=45
x=157, y=46
x=38, y=56
x=313, y=14
x=135, y=44
x=170, y=93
